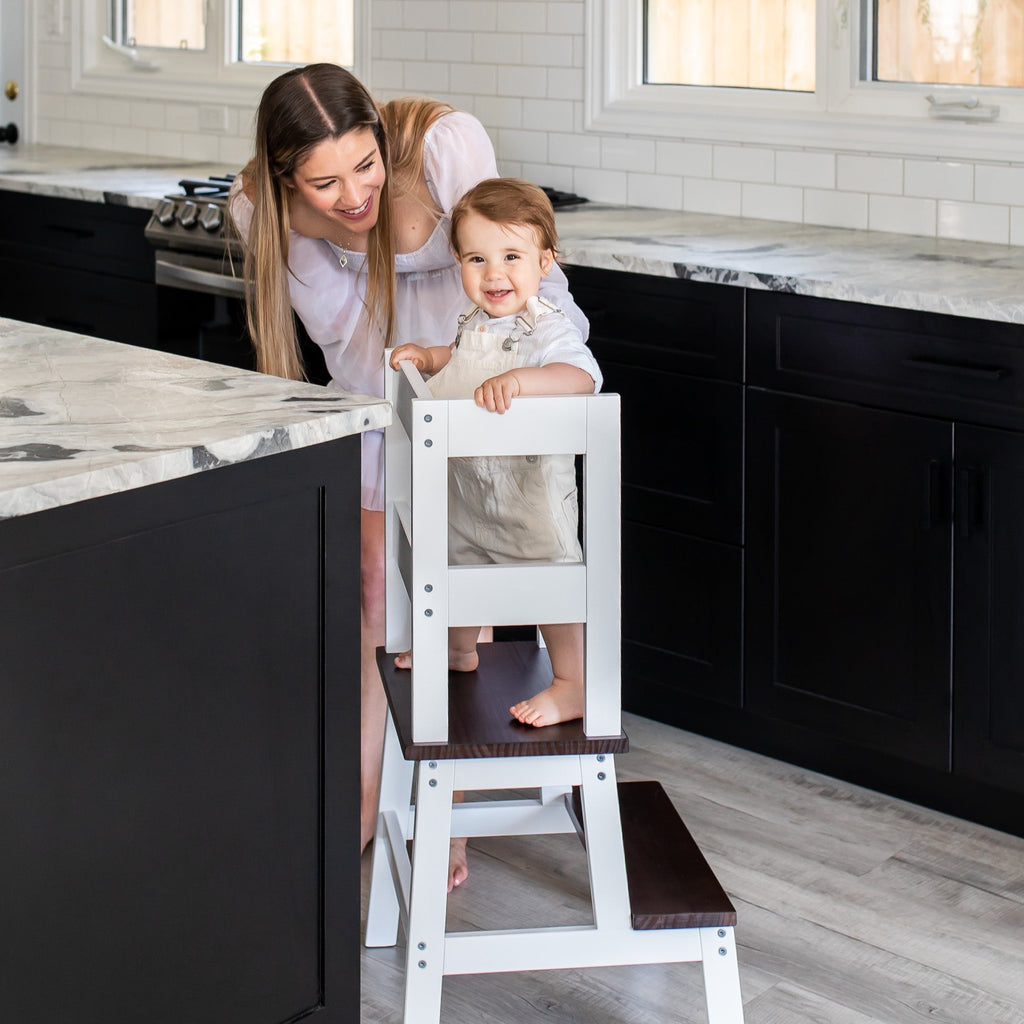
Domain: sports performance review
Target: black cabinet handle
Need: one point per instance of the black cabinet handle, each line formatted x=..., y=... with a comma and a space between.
x=971, y=494
x=958, y=369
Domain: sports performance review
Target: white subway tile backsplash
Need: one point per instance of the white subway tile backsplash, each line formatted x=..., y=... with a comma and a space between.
x=545, y=174
x=705, y=195
x=553, y=51
x=583, y=150
x=522, y=145
x=388, y=13
x=658, y=190
x=835, y=209
x=399, y=44
x=147, y=114
x=548, y=115
x=427, y=78
x=479, y=79
x=903, y=214
x=201, y=147
x=566, y=18
x=993, y=184
x=474, y=15
x=977, y=222
x=565, y=83
x=603, y=186
x=500, y=49
x=527, y=80
x=687, y=159
x=772, y=202
x=793, y=167
x=386, y=77
x=161, y=142
x=938, y=179
x=627, y=154
x=744, y=163
x=448, y=46
x=519, y=15
x=428, y=14
x=1017, y=225
x=499, y=112
x=869, y=174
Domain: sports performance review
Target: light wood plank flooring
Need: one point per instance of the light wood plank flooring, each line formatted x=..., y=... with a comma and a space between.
x=853, y=907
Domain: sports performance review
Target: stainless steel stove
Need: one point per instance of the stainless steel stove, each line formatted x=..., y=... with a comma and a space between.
x=194, y=249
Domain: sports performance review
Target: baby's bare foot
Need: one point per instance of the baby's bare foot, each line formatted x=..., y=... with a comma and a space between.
x=562, y=701
x=458, y=661
x=458, y=870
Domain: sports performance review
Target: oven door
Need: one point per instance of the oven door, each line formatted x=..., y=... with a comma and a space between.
x=195, y=273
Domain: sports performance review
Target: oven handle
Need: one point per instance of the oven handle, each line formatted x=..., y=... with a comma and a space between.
x=175, y=275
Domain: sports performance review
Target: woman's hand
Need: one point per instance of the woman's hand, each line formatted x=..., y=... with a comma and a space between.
x=496, y=393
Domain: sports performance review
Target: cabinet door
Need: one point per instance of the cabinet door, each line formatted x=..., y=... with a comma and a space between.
x=989, y=607
x=848, y=574
x=681, y=621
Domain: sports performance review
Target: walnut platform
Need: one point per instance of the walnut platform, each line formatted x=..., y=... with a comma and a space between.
x=478, y=702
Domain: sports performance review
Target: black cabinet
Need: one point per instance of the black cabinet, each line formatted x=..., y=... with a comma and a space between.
x=180, y=794
x=988, y=607
x=848, y=562
x=885, y=554
x=673, y=351
x=80, y=266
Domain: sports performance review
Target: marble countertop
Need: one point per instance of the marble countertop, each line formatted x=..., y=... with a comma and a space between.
x=81, y=417
x=970, y=279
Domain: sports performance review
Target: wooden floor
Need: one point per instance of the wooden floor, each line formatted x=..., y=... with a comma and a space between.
x=853, y=908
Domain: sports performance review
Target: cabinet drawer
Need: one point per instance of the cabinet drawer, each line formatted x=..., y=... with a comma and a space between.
x=926, y=363
x=663, y=323
x=72, y=233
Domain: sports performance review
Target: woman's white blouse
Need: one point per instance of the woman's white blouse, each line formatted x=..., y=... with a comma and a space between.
x=328, y=298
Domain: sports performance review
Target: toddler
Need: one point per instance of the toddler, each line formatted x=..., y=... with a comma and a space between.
x=509, y=343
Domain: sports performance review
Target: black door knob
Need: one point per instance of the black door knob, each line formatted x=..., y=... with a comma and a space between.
x=9, y=134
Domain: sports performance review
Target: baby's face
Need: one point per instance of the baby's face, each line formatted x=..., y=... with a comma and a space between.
x=502, y=264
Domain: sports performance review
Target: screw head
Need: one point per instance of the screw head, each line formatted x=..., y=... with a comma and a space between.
x=432, y=783
x=422, y=964
x=429, y=588
x=433, y=764
x=428, y=418
x=600, y=757
x=421, y=945
x=601, y=776
x=428, y=612
x=428, y=443
x=722, y=951
x=721, y=933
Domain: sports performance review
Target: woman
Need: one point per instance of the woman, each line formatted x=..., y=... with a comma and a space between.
x=345, y=210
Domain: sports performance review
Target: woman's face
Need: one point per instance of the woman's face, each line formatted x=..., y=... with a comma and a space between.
x=341, y=180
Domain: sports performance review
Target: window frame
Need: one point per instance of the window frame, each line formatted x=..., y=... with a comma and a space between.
x=183, y=75
x=842, y=113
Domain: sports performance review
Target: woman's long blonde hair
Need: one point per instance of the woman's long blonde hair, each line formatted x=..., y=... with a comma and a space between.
x=298, y=111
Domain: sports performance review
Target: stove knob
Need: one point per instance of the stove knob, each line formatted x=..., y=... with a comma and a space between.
x=165, y=212
x=189, y=214
x=210, y=218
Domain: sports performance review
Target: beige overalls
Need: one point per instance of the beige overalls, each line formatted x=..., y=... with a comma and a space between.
x=505, y=508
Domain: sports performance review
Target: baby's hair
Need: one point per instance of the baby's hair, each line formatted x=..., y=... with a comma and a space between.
x=508, y=201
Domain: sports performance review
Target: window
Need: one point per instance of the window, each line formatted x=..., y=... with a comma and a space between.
x=180, y=49
x=917, y=77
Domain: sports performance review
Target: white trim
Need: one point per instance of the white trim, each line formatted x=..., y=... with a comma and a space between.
x=843, y=113
x=183, y=76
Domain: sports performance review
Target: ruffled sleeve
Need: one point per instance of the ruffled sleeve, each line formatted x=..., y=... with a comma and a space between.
x=457, y=154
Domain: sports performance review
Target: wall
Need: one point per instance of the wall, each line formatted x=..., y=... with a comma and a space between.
x=518, y=65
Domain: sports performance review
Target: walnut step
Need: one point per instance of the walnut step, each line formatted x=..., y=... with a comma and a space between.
x=479, y=724
x=671, y=885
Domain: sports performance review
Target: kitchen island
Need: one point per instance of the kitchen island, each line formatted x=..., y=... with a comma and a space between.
x=179, y=719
